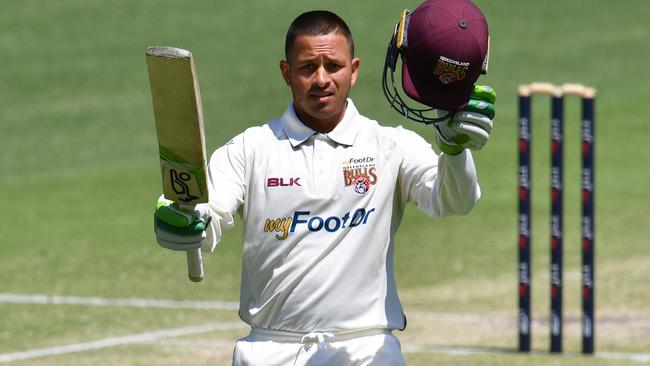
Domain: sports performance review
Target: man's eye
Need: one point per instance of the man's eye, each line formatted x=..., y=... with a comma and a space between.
x=334, y=67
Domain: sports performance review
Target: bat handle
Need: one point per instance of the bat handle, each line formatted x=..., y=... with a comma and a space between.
x=194, y=259
x=194, y=265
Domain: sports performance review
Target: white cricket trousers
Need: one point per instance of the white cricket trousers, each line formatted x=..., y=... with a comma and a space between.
x=371, y=347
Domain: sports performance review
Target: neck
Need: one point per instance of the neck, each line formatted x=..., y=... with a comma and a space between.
x=320, y=125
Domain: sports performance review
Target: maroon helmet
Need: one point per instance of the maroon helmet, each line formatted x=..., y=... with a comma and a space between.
x=444, y=46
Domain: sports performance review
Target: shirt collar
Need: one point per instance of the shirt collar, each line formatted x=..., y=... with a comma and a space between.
x=344, y=133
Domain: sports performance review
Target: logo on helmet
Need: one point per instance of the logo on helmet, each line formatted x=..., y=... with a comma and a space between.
x=450, y=71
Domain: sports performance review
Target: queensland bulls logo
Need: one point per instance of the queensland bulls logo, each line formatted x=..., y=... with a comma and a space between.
x=360, y=174
x=449, y=71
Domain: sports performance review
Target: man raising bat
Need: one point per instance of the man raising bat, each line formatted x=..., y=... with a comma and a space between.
x=322, y=189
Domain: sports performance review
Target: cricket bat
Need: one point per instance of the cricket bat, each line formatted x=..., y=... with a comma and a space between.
x=179, y=126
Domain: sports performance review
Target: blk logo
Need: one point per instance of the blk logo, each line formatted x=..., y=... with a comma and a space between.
x=283, y=182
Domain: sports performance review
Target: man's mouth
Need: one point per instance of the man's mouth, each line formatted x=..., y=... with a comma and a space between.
x=322, y=97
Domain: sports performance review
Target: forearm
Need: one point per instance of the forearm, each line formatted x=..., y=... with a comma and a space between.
x=456, y=190
x=226, y=187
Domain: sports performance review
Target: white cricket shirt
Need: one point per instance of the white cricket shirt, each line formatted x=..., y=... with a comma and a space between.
x=320, y=212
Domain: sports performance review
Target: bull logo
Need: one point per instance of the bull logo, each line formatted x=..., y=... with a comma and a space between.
x=361, y=184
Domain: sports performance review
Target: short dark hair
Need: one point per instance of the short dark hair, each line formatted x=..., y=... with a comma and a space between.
x=316, y=23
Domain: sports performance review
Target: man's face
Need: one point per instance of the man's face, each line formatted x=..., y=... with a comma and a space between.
x=320, y=71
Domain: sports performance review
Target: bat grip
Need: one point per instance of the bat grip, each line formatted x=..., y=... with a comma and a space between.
x=194, y=259
x=194, y=265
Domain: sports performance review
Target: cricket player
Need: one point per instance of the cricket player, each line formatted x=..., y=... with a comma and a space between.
x=320, y=192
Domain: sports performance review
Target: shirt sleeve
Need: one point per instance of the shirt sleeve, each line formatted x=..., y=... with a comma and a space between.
x=226, y=185
x=441, y=185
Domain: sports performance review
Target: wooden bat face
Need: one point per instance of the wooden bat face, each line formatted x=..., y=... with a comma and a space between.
x=179, y=124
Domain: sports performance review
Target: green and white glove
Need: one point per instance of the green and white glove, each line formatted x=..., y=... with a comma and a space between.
x=471, y=127
x=181, y=227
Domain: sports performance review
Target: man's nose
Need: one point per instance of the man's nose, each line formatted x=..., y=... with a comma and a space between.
x=321, y=77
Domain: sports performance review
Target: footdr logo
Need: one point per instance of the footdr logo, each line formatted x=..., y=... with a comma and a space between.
x=283, y=226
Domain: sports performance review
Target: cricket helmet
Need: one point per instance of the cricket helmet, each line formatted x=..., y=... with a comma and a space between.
x=444, y=48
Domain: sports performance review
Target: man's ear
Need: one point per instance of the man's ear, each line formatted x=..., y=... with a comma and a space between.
x=284, y=69
x=356, y=63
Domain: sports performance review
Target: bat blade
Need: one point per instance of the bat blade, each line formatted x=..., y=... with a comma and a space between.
x=179, y=125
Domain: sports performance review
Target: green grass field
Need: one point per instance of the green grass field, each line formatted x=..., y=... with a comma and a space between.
x=79, y=173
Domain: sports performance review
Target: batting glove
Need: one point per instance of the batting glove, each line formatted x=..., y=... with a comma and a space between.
x=182, y=227
x=471, y=127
